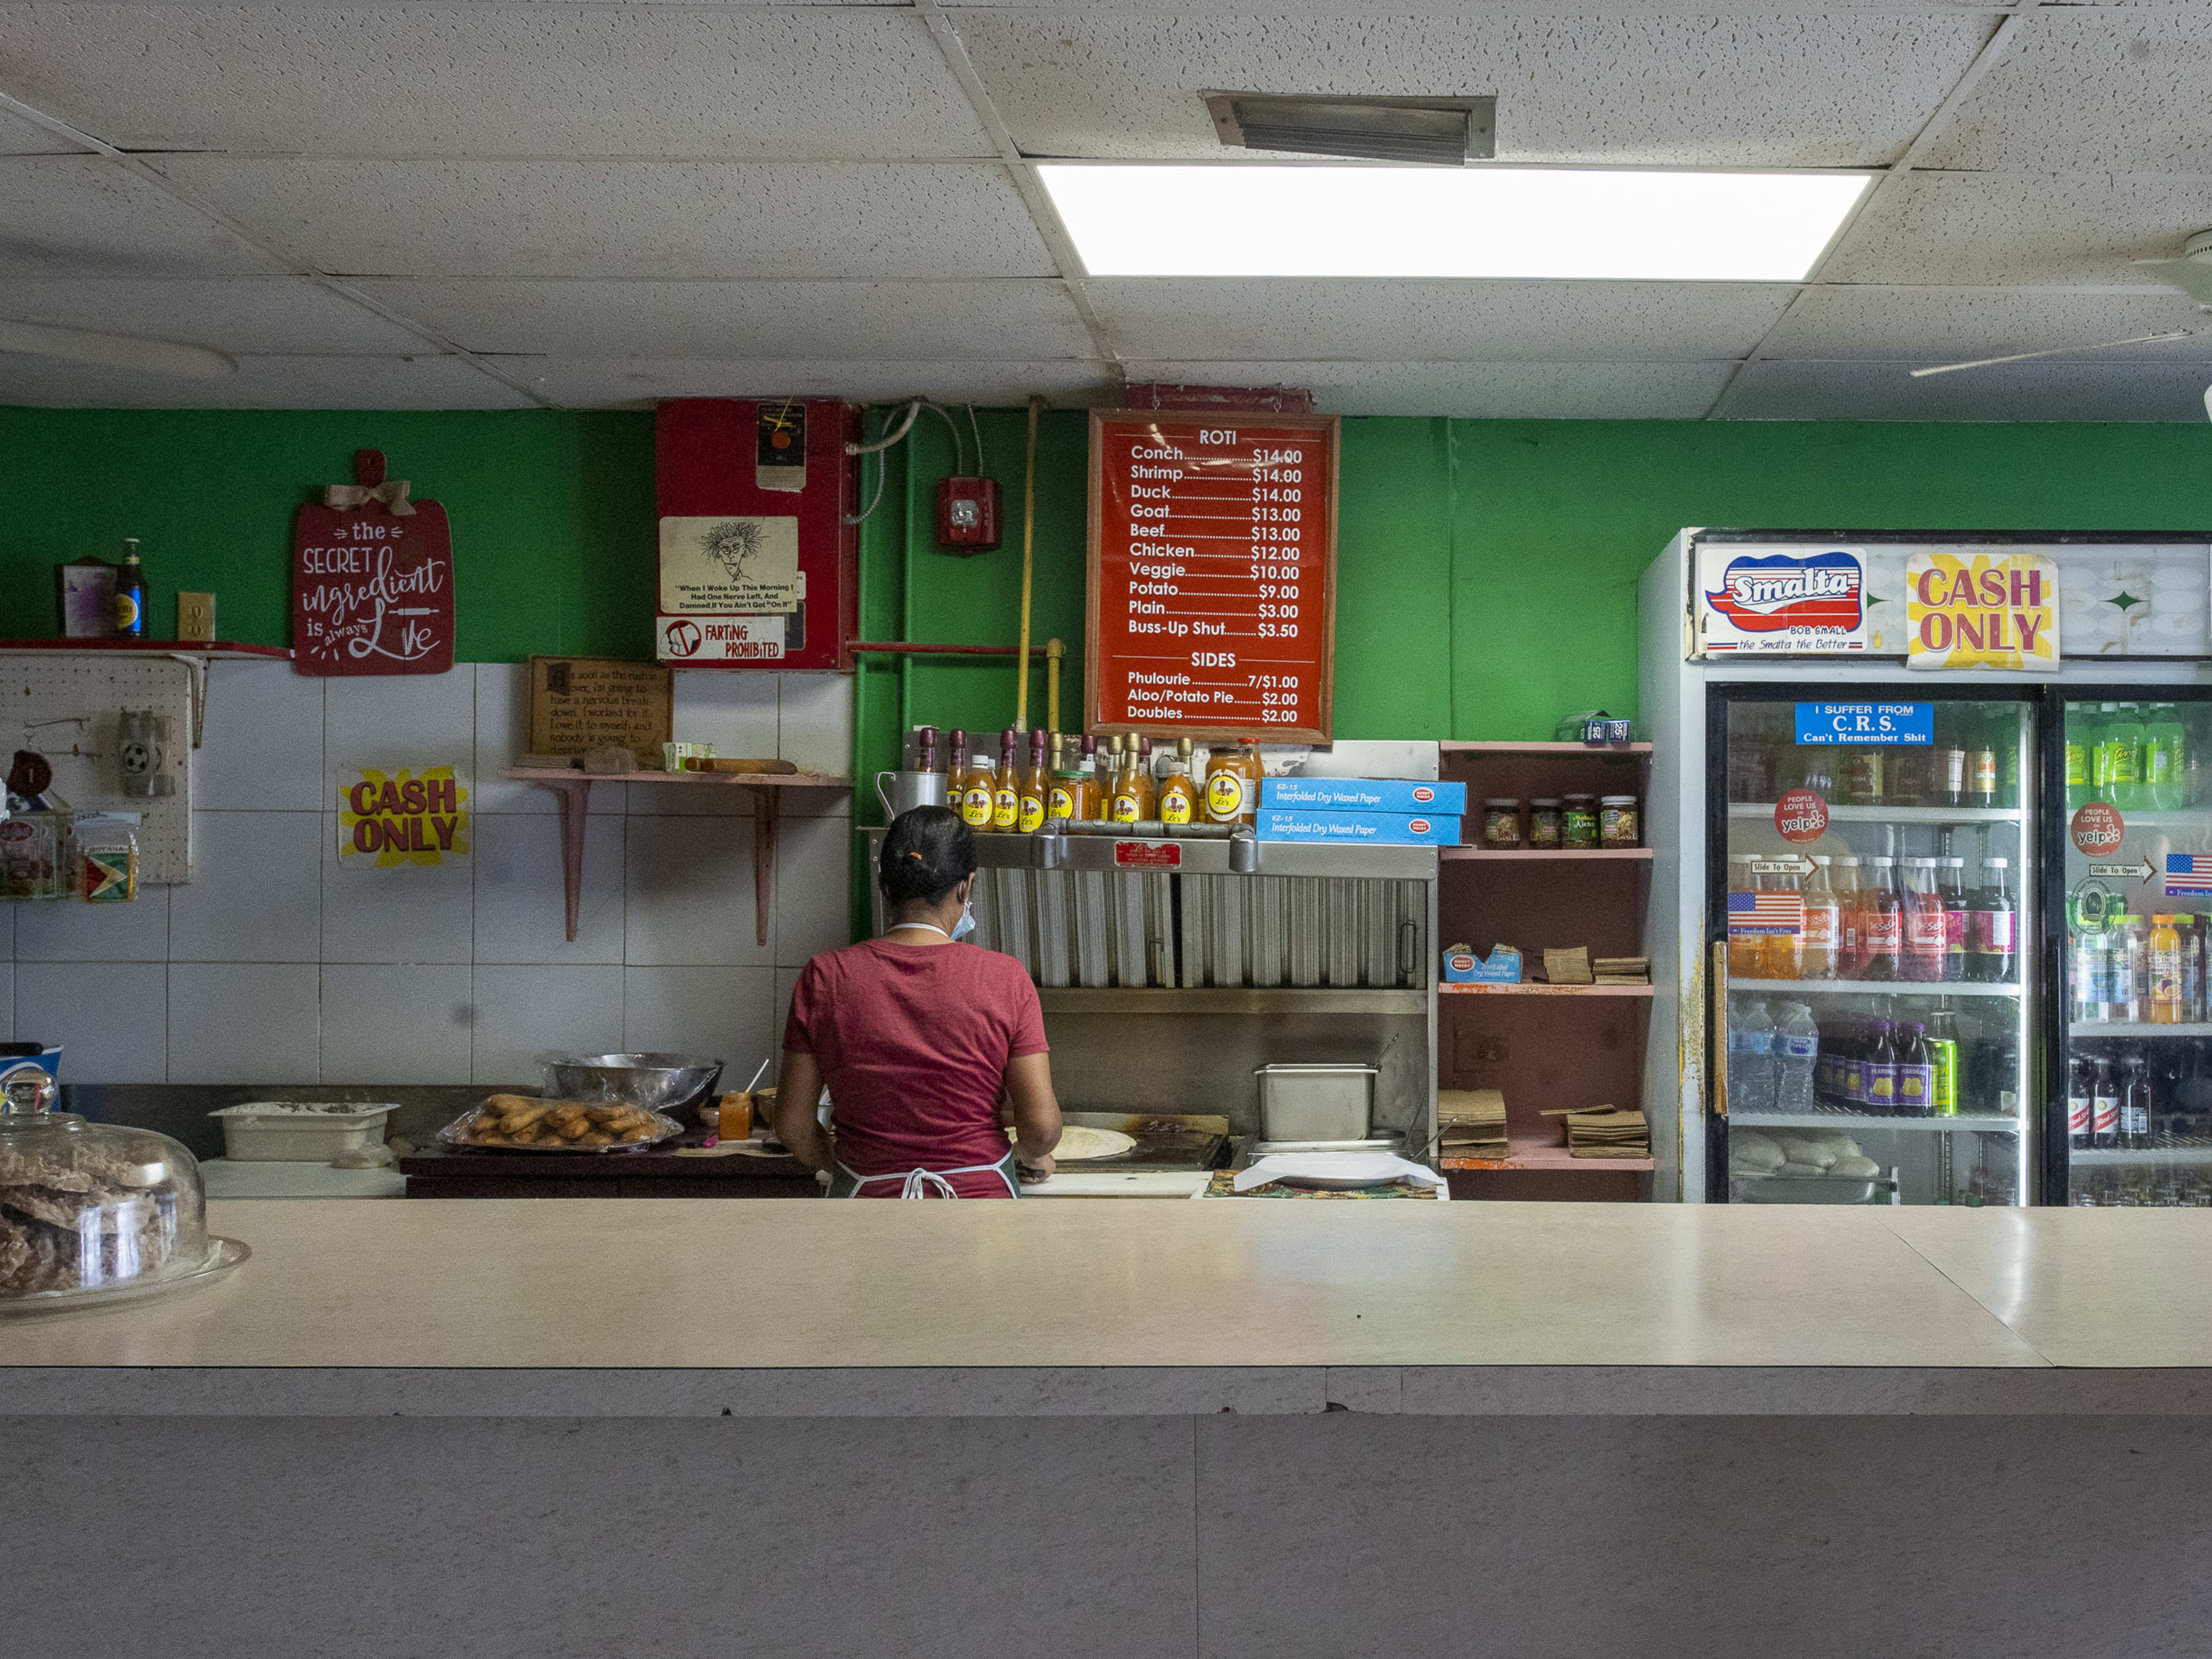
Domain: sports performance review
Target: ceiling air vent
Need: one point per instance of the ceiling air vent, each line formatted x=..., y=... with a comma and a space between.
x=1439, y=131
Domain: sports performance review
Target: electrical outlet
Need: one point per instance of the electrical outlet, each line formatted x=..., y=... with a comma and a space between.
x=196, y=617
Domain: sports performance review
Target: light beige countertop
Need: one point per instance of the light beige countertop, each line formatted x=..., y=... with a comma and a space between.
x=797, y=1307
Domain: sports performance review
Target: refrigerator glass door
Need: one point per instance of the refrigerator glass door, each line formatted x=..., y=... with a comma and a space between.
x=1875, y=905
x=2134, y=1082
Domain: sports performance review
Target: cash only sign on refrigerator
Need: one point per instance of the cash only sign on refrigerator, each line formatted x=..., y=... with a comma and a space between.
x=1930, y=812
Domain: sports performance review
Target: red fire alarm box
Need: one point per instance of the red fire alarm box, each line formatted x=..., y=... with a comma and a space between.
x=758, y=564
x=968, y=514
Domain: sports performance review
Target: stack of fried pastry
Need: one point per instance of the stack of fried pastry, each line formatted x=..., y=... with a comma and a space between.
x=520, y=1120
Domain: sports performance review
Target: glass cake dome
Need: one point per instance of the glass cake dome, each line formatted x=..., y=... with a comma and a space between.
x=94, y=1211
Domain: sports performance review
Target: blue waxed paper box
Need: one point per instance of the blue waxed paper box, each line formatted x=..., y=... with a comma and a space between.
x=1501, y=967
x=1365, y=795
x=1357, y=829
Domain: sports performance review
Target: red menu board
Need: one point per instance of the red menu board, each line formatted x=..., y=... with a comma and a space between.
x=1212, y=578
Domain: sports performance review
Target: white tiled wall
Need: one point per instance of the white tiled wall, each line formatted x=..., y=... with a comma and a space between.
x=278, y=963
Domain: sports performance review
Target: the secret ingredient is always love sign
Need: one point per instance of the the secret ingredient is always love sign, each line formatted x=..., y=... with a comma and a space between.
x=372, y=580
x=391, y=818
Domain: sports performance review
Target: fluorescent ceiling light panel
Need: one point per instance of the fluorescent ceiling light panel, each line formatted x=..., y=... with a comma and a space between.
x=1241, y=220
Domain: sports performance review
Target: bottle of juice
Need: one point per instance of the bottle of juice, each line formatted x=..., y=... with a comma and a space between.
x=1947, y=760
x=1881, y=1071
x=2163, y=1005
x=1006, y=796
x=1824, y=920
x=1992, y=940
x=1178, y=795
x=1785, y=952
x=1882, y=923
x=1036, y=788
x=977, y=788
x=955, y=765
x=2166, y=759
x=1982, y=766
x=2124, y=738
x=1066, y=792
x=1747, y=952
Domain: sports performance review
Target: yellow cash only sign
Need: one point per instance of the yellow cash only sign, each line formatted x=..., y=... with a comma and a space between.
x=1982, y=610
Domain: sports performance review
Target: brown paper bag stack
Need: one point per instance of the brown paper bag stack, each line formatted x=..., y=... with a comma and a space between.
x=1607, y=1133
x=1623, y=970
x=1568, y=967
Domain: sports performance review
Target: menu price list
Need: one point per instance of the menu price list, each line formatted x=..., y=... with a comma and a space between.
x=1211, y=574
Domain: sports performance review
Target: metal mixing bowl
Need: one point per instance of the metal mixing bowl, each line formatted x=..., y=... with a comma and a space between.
x=672, y=1084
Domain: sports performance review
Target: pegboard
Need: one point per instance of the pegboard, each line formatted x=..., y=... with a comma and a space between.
x=67, y=708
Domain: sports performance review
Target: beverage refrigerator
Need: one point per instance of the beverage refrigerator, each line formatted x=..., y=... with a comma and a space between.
x=1900, y=913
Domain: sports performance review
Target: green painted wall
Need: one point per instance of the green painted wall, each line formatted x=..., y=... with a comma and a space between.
x=552, y=514
x=1487, y=569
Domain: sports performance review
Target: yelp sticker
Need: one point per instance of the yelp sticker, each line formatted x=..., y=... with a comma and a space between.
x=2098, y=830
x=1800, y=816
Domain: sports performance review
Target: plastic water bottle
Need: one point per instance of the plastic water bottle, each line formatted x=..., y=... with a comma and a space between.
x=1751, y=1060
x=1797, y=1043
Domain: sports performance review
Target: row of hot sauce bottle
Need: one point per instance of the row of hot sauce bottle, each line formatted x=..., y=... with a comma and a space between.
x=1072, y=779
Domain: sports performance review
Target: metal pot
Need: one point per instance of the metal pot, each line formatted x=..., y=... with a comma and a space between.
x=670, y=1083
x=909, y=790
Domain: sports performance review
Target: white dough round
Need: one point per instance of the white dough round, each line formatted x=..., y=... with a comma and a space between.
x=1081, y=1144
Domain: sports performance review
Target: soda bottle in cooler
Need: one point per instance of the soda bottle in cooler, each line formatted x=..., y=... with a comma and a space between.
x=1747, y=952
x=2081, y=743
x=1951, y=882
x=1927, y=930
x=1824, y=920
x=1750, y=759
x=2192, y=929
x=1915, y=1092
x=2135, y=1105
x=2097, y=732
x=1947, y=760
x=1863, y=777
x=1785, y=950
x=1799, y=1052
x=2162, y=1001
x=2166, y=759
x=1982, y=766
x=1992, y=940
x=1881, y=924
x=1880, y=1070
x=2081, y=1087
x=2092, y=964
x=1851, y=897
x=2124, y=737
x=2123, y=973
x=2105, y=1107
x=1944, y=1054
x=1751, y=1060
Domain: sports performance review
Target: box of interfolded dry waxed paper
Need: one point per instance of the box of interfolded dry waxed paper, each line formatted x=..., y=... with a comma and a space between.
x=1365, y=795
x=1357, y=829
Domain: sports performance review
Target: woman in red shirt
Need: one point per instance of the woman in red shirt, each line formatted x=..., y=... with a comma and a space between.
x=919, y=1040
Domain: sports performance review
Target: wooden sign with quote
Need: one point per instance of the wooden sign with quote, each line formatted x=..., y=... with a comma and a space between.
x=582, y=703
x=1212, y=574
x=372, y=580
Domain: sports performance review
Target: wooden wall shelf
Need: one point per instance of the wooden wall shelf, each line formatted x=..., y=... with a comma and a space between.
x=1538, y=988
x=215, y=649
x=1523, y=1153
x=1600, y=749
x=574, y=789
x=1541, y=854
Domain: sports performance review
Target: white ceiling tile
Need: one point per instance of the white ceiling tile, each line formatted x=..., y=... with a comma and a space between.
x=2053, y=390
x=1028, y=318
x=2086, y=91
x=589, y=383
x=478, y=80
x=1582, y=392
x=237, y=315
x=69, y=215
x=1767, y=91
x=429, y=382
x=1990, y=229
x=1921, y=326
x=632, y=218
x=1433, y=321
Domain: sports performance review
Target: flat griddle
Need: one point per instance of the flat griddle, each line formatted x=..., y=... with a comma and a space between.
x=1165, y=1142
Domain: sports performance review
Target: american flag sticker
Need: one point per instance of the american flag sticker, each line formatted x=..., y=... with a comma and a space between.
x=2187, y=872
x=1757, y=915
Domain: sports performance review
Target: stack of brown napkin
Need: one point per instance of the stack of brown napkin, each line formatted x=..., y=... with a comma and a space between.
x=1471, y=1122
x=1623, y=970
x=1568, y=967
x=1607, y=1133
